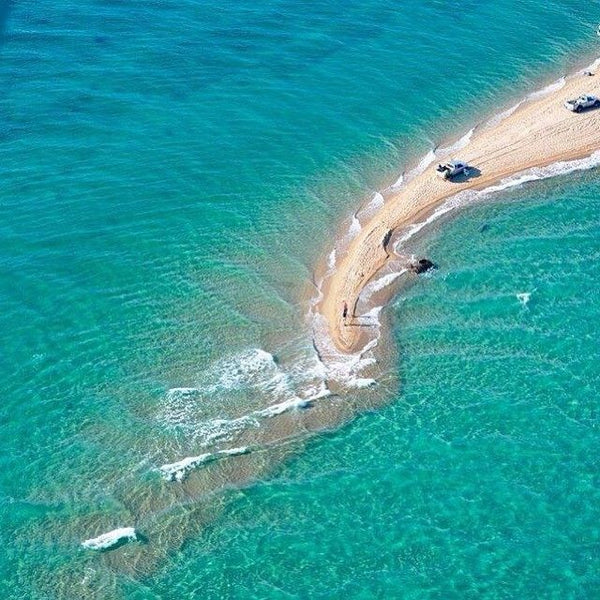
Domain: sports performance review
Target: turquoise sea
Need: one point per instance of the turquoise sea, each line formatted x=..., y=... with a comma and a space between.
x=172, y=174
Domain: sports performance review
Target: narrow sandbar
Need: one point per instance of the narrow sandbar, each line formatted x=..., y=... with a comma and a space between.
x=540, y=132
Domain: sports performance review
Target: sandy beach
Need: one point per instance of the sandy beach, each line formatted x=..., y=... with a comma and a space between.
x=540, y=132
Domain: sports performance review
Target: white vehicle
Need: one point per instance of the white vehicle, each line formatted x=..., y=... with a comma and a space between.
x=451, y=169
x=584, y=101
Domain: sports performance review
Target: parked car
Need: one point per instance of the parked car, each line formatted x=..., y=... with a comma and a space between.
x=584, y=101
x=451, y=169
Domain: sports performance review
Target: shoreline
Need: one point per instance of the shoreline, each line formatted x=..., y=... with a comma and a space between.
x=534, y=133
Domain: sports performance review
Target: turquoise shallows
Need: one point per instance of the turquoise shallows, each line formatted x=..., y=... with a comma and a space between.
x=171, y=173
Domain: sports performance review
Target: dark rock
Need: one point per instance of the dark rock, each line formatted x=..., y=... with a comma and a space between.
x=421, y=266
x=386, y=238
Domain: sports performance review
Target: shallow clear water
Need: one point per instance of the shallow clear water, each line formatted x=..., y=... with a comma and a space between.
x=172, y=172
x=480, y=479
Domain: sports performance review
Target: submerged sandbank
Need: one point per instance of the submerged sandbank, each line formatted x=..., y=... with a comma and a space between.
x=537, y=132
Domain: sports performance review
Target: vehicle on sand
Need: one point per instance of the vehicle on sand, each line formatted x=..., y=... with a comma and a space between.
x=582, y=102
x=451, y=169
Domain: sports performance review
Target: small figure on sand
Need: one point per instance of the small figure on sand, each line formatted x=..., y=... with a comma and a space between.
x=345, y=312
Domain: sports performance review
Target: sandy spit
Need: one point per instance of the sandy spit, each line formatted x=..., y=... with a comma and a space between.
x=540, y=132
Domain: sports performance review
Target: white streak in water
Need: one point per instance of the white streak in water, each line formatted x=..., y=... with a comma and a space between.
x=111, y=539
x=254, y=371
x=235, y=451
x=379, y=284
x=371, y=209
x=277, y=409
x=423, y=164
x=398, y=183
x=523, y=298
x=179, y=470
x=331, y=261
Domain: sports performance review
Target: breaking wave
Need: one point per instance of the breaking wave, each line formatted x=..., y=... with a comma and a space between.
x=179, y=470
x=251, y=386
x=371, y=209
x=380, y=283
x=111, y=539
x=549, y=89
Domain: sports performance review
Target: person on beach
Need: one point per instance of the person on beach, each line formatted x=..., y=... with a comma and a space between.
x=345, y=312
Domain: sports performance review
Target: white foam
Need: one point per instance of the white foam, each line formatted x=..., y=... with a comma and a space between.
x=355, y=227
x=416, y=227
x=331, y=261
x=179, y=470
x=594, y=66
x=269, y=388
x=235, y=451
x=373, y=313
x=340, y=367
x=254, y=367
x=305, y=383
x=377, y=202
x=212, y=430
x=277, y=409
x=549, y=89
x=523, y=298
x=376, y=285
x=497, y=119
x=398, y=183
x=458, y=145
x=553, y=170
x=317, y=391
x=253, y=371
x=371, y=209
x=111, y=539
x=429, y=158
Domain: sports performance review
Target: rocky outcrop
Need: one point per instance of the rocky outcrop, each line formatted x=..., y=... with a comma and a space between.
x=421, y=266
